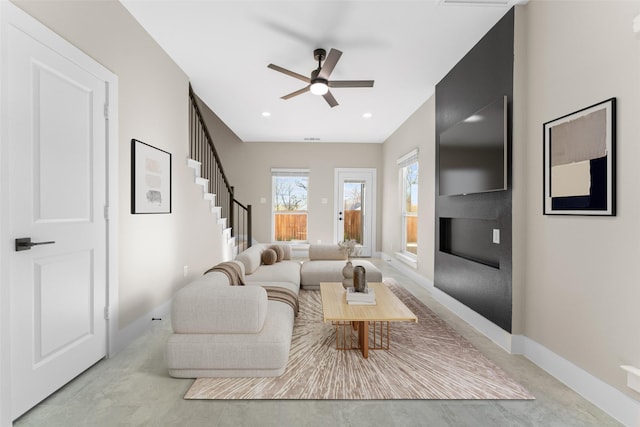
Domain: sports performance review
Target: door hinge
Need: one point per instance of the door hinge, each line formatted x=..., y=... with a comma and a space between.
x=106, y=111
x=106, y=213
x=106, y=313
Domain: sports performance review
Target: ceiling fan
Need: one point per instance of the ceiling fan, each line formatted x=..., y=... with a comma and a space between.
x=319, y=82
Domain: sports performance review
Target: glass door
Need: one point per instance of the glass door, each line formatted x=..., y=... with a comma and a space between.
x=353, y=211
x=355, y=190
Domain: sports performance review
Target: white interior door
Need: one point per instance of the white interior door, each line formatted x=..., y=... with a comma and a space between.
x=355, y=207
x=57, y=150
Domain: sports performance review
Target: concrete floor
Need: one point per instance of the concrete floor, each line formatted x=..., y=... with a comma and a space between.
x=133, y=389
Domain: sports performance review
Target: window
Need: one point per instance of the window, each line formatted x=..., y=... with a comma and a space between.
x=409, y=205
x=289, y=195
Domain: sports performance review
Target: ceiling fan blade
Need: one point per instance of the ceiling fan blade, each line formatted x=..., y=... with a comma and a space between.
x=329, y=63
x=351, y=83
x=290, y=73
x=330, y=99
x=296, y=93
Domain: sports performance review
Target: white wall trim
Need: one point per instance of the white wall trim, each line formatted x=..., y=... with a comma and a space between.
x=113, y=228
x=410, y=261
x=611, y=400
x=5, y=330
x=138, y=327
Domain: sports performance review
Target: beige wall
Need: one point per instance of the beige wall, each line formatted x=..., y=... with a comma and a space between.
x=582, y=283
x=248, y=166
x=153, y=96
x=417, y=132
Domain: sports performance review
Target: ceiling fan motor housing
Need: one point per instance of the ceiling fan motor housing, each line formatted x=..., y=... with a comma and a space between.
x=316, y=79
x=319, y=54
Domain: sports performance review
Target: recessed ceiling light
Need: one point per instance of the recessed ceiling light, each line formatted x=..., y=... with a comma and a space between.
x=367, y=115
x=266, y=114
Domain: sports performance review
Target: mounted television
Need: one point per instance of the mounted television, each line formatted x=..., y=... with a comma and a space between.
x=473, y=152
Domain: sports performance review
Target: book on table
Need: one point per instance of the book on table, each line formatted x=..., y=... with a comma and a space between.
x=364, y=298
x=361, y=303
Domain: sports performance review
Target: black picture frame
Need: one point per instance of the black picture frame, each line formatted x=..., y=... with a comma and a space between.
x=579, y=176
x=150, y=179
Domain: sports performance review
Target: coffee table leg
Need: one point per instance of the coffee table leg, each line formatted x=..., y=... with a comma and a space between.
x=363, y=338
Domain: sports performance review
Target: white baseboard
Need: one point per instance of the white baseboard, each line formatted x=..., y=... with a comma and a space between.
x=137, y=328
x=609, y=399
x=486, y=327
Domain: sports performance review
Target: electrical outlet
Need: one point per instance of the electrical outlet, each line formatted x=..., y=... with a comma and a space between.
x=496, y=236
x=185, y=270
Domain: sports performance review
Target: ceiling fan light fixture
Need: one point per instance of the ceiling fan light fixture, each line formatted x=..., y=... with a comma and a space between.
x=319, y=88
x=319, y=83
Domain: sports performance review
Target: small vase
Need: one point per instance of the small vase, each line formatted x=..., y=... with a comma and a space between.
x=359, y=279
x=347, y=273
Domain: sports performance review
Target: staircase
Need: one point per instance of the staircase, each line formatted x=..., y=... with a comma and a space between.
x=233, y=218
x=230, y=248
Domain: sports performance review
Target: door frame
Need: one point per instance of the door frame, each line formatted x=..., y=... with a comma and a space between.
x=371, y=174
x=11, y=15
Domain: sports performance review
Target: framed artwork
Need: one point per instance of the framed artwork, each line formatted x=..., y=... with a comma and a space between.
x=150, y=179
x=579, y=162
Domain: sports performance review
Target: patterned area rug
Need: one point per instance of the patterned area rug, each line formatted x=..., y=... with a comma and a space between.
x=426, y=360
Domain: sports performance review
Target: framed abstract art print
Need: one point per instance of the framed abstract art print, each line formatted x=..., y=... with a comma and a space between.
x=579, y=162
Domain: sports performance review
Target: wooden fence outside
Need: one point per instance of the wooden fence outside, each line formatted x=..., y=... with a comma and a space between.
x=290, y=227
x=353, y=225
x=293, y=226
x=412, y=234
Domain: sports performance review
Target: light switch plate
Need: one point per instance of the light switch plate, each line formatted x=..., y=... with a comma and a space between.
x=496, y=236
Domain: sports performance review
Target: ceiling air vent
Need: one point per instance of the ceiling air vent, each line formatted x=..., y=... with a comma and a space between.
x=312, y=139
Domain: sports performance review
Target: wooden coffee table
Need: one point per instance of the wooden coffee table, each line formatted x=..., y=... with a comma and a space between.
x=388, y=309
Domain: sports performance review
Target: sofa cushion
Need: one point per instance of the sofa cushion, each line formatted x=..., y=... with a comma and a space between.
x=279, y=252
x=326, y=252
x=287, y=252
x=251, y=258
x=234, y=271
x=284, y=271
x=288, y=285
x=203, y=307
x=237, y=355
x=269, y=257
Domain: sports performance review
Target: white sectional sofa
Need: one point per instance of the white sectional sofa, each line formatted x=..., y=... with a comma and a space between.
x=221, y=330
x=234, y=331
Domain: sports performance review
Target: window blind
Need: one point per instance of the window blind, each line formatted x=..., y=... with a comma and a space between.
x=407, y=159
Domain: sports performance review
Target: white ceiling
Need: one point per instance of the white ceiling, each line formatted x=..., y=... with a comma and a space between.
x=405, y=46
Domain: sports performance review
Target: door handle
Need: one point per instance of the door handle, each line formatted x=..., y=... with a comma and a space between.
x=25, y=244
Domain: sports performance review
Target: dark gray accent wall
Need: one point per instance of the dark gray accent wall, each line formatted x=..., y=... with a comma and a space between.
x=468, y=266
